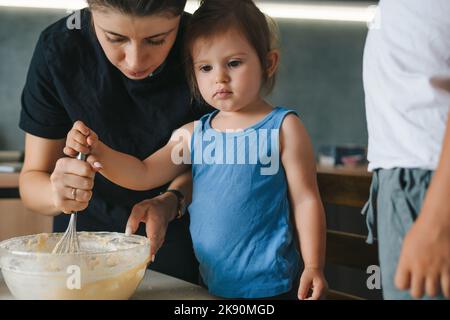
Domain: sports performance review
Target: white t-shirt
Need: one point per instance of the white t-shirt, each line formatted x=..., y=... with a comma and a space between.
x=406, y=68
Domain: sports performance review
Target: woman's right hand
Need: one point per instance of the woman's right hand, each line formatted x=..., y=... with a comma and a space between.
x=72, y=181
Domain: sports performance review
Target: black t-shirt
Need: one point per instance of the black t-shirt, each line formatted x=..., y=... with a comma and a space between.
x=71, y=79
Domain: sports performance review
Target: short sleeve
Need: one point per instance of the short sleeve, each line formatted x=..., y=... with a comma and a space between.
x=42, y=112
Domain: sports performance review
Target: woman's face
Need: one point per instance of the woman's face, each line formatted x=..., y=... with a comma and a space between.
x=137, y=46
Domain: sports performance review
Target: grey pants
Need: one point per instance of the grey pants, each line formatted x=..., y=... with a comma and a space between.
x=396, y=197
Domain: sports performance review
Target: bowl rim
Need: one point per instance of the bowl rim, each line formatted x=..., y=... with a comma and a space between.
x=145, y=240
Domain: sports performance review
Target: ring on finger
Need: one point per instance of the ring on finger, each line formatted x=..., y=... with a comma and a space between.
x=74, y=193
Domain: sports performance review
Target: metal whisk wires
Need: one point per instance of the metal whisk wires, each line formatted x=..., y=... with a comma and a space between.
x=69, y=241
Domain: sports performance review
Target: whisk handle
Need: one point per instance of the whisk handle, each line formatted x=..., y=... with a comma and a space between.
x=82, y=156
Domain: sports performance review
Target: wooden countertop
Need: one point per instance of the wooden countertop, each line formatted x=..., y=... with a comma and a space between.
x=9, y=180
x=344, y=171
x=343, y=185
x=154, y=286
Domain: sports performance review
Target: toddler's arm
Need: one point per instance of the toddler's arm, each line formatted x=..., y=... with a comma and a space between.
x=298, y=160
x=127, y=171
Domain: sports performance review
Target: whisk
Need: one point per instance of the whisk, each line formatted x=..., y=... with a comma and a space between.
x=69, y=241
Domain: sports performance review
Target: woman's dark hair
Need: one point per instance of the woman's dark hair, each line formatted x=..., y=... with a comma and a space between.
x=215, y=17
x=141, y=8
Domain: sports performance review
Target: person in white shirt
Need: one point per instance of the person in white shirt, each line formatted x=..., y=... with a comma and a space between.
x=407, y=87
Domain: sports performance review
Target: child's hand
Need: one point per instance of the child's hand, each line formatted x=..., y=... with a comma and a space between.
x=312, y=279
x=82, y=139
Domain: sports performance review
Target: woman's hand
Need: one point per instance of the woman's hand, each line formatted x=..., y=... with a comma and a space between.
x=72, y=181
x=312, y=280
x=156, y=213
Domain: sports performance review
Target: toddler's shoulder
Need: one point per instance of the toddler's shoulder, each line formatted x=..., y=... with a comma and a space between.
x=289, y=118
x=292, y=126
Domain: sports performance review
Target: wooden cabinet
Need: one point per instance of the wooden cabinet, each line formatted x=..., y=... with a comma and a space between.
x=9, y=180
x=348, y=255
x=16, y=220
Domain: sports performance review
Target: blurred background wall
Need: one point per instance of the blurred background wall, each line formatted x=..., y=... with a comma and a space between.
x=320, y=74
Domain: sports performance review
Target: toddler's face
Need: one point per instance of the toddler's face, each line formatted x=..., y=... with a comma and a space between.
x=227, y=70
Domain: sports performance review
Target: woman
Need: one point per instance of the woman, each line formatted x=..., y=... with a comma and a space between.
x=121, y=73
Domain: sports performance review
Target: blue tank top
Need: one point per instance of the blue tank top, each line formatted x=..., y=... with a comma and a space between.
x=240, y=214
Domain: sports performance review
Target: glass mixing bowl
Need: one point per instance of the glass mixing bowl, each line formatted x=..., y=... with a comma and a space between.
x=109, y=266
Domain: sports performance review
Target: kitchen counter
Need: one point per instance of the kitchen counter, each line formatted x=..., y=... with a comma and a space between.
x=154, y=286
x=357, y=178
x=358, y=171
x=9, y=180
x=345, y=186
x=9, y=185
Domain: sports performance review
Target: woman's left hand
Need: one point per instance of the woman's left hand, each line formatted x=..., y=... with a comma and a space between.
x=156, y=213
x=313, y=285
